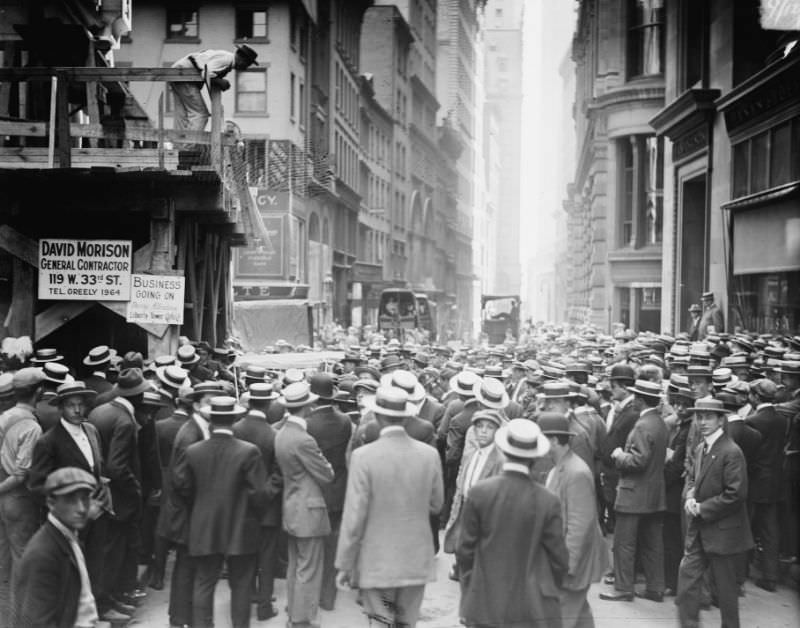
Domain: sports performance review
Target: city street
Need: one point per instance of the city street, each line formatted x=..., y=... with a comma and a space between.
x=758, y=609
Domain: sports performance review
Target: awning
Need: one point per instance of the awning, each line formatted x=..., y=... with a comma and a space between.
x=258, y=324
x=767, y=239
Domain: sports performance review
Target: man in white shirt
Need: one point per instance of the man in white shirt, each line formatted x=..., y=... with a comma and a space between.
x=191, y=113
x=52, y=586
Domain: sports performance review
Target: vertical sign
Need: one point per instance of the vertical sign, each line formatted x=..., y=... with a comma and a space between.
x=156, y=299
x=85, y=270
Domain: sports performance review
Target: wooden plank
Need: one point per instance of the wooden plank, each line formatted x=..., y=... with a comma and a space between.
x=63, y=140
x=36, y=158
x=92, y=106
x=20, y=246
x=57, y=315
x=114, y=75
x=216, y=128
x=20, y=321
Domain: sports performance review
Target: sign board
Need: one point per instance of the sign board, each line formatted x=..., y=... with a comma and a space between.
x=85, y=270
x=265, y=261
x=156, y=299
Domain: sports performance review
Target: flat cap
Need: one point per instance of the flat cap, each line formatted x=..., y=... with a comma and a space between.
x=68, y=480
x=27, y=377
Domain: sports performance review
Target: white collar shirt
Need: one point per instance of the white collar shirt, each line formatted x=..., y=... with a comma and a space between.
x=81, y=440
x=476, y=465
x=516, y=467
x=202, y=423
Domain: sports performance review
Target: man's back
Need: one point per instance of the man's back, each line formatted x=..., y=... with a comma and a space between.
x=332, y=429
x=768, y=463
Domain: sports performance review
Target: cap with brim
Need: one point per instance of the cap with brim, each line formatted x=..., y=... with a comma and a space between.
x=521, y=438
x=172, y=376
x=645, y=387
x=708, y=405
x=72, y=389
x=406, y=381
x=390, y=401
x=28, y=377
x=367, y=385
x=6, y=385
x=463, y=383
x=99, y=355
x=224, y=406
x=488, y=415
x=46, y=355
x=298, y=395
x=553, y=423
x=491, y=393
x=68, y=480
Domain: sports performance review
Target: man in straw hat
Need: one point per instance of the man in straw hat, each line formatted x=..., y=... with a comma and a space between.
x=511, y=553
x=224, y=480
x=395, y=484
x=718, y=529
x=52, y=586
x=641, y=499
x=305, y=514
x=572, y=482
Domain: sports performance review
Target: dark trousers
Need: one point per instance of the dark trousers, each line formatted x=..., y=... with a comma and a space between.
x=764, y=522
x=181, y=587
x=327, y=596
x=691, y=584
x=450, y=477
x=94, y=544
x=120, y=557
x=648, y=529
x=240, y=577
x=266, y=566
x=673, y=548
x=160, y=553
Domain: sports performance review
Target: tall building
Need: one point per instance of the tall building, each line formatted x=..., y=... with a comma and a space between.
x=731, y=167
x=615, y=208
x=503, y=39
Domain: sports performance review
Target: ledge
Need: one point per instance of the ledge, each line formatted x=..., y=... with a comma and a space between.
x=789, y=190
x=686, y=111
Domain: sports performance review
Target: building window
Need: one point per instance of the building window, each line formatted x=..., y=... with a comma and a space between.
x=251, y=91
x=183, y=23
x=293, y=28
x=251, y=24
x=641, y=202
x=292, y=81
x=694, y=42
x=645, y=37
x=767, y=160
x=302, y=102
x=256, y=162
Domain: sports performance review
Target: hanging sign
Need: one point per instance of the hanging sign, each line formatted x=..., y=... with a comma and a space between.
x=85, y=270
x=156, y=299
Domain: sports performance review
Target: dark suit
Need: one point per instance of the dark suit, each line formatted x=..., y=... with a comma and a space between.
x=616, y=436
x=431, y=411
x=719, y=534
x=102, y=387
x=254, y=428
x=765, y=489
x=120, y=444
x=332, y=429
x=511, y=554
x=673, y=488
x=47, y=583
x=224, y=481
x=46, y=414
x=640, y=502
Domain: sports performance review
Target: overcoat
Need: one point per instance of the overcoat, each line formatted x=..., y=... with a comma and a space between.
x=719, y=486
x=173, y=518
x=768, y=463
x=641, y=489
x=394, y=485
x=304, y=470
x=432, y=411
x=332, y=429
x=511, y=553
x=572, y=482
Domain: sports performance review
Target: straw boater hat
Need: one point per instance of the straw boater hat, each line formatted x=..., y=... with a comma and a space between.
x=555, y=390
x=172, y=376
x=491, y=393
x=56, y=373
x=205, y=388
x=99, y=355
x=406, y=381
x=187, y=356
x=646, y=387
x=72, y=389
x=223, y=407
x=262, y=391
x=521, y=438
x=463, y=383
x=298, y=395
x=708, y=405
x=391, y=401
x=43, y=356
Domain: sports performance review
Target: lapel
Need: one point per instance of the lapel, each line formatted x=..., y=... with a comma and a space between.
x=706, y=461
x=67, y=441
x=63, y=544
x=493, y=462
x=95, y=445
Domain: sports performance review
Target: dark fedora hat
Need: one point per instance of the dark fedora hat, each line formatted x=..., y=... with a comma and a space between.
x=391, y=361
x=72, y=389
x=248, y=54
x=130, y=383
x=622, y=371
x=553, y=423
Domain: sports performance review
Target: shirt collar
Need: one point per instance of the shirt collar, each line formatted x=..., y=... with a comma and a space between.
x=222, y=430
x=125, y=404
x=625, y=401
x=516, y=467
x=297, y=420
x=71, y=427
x=390, y=429
x=67, y=532
x=735, y=417
x=763, y=405
x=99, y=374
x=712, y=438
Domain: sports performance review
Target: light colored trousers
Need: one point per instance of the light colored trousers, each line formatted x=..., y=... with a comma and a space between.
x=304, y=578
x=191, y=112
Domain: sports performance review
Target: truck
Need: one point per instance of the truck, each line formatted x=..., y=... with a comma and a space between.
x=500, y=315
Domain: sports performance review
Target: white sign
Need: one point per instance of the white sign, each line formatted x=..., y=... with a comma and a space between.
x=780, y=15
x=85, y=270
x=156, y=299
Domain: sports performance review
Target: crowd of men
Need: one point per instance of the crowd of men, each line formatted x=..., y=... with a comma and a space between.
x=529, y=458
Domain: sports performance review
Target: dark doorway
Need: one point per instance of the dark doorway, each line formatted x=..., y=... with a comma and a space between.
x=692, y=245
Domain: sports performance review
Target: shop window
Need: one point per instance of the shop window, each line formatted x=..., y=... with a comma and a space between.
x=251, y=91
x=255, y=152
x=767, y=160
x=624, y=306
x=252, y=24
x=183, y=23
x=767, y=303
x=645, y=38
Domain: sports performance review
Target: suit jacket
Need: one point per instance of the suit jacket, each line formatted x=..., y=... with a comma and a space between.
x=451, y=408
x=641, y=467
x=305, y=470
x=254, y=428
x=395, y=484
x=98, y=384
x=47, y=415
x=416, y=428
x=492, y=466
x=719, y=486
x=432, y=411
x=331, y=428
x=511, y=553
x=572, y=482
x=457, y=432
x=47, y=583
x=768, y=463
x=173, y=518
x=711, y=316
x=617, y=435
x=119, y=440
x=224, y=480
x=674, y=468
x=747, y=438
x=513, y=410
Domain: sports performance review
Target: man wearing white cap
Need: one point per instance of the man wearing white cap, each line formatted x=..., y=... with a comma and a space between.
x=394, y=486
x=511, y=553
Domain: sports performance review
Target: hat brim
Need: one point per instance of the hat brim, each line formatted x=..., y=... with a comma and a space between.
x=300, y=404
x=183, y=363
x=272, y=397
x=371, y=404
x=89, y=362
x=144, y=386
x=55, y=358
x=558, y=433
x=453, y=385
x=494, y=405
x=501, y=440
x=78, y=393
x=645, y=393
x=715, y=410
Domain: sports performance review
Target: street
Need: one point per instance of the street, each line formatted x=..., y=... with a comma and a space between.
x=758, y=609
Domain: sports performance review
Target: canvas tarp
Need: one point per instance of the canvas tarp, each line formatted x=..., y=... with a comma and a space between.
x=259, y=324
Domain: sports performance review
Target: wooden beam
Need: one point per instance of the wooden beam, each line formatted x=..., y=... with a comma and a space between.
x=113, y=75
x=58, y=315
x=20, y=246
x=216, y=128
x=63, y=141
x=92, y=105
x=20, y=322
